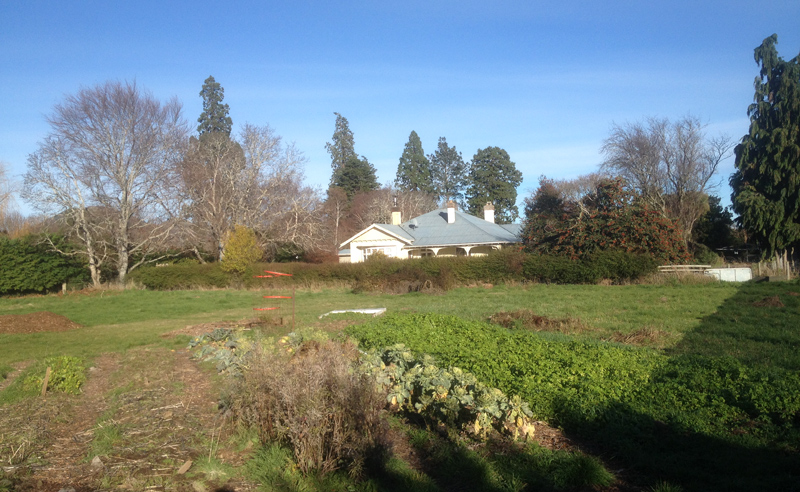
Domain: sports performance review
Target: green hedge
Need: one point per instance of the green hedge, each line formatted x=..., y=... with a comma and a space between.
x=27, y=265
x=396, y=275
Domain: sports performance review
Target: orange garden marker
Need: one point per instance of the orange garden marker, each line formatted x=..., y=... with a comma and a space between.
x=272, y=275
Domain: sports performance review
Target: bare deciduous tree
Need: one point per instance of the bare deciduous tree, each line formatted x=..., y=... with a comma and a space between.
x=5, y=195
x=670, y=166
x=375, y=207
x=254, y=181
x=107, y=171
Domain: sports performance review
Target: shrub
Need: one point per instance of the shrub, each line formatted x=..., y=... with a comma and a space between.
x=67, y=374
x=181, y=276
x=241, y=250
x=313, y=401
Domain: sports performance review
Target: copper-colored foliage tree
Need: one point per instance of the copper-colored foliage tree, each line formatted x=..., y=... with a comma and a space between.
x=670, y=166
x=607, y=219
x=106, y=170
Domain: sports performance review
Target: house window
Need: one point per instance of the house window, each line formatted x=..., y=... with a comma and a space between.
x=371, y=251
x=421, y=253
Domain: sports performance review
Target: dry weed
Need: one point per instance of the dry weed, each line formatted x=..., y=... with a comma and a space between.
x=314, y=401
x=528, y=320
x=643, y=336
x=772, y=301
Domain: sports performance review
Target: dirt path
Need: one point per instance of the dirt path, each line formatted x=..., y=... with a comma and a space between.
x=143, y=414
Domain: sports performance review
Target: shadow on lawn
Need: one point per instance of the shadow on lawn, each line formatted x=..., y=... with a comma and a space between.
x=761, y=450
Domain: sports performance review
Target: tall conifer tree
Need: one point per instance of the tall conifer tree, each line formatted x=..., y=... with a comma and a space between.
x=215, y=116
x=493, y=178
x=414, y=169
x=448, y=171
x=766, y=183
x=342, y=147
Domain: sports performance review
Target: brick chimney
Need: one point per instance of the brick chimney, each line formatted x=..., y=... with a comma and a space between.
x=397, y=217
x=488, y=212
x=451, y=212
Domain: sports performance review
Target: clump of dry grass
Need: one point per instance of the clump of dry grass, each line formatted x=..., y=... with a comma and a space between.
x=772, y=301
x=315, y=401
x=527, y=319
x=642, y=336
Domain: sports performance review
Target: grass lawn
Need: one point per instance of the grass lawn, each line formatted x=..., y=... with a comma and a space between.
x=117, y=320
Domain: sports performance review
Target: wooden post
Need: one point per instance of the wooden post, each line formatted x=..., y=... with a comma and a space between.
x=46, y=381
x=294, y=294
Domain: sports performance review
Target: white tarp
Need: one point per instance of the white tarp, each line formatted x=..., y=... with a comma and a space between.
x=372, y=311
x=730, y=274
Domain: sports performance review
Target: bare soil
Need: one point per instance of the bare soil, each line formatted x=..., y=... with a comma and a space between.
x=35, y=322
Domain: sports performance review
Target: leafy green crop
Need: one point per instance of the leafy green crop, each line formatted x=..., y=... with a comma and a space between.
x=67, y=374
x=449, y=396
x=592, y=384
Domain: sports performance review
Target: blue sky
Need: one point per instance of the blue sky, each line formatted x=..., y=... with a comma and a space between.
x=543, y=80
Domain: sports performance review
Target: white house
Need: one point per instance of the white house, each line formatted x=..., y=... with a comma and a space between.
x=443, y=232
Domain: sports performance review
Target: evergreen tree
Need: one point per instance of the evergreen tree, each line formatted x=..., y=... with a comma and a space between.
x=356, y=176
x=493, y=178
x=715, y=228
x=214, y=117
x=414, y=169
x=342, y=149
x=766, y=183
x=448, y=171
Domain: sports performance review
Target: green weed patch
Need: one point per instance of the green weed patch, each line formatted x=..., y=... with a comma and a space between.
x=640, y=403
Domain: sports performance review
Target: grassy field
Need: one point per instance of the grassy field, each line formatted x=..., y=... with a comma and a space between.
x=117, y=320
x=756, y=324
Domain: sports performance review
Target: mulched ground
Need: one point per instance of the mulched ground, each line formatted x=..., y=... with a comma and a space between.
x=35, y=323
x=773, y=301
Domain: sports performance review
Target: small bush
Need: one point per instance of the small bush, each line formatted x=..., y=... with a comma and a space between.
x=313, y=401
x=241, y=250
x=67, y=375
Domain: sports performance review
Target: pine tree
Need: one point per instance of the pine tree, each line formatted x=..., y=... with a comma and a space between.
x=356, y=176
x=342, y=149
x=448, y=171
x=493, y=178
x=214, y=117
x=414, y=169
x=766, y=183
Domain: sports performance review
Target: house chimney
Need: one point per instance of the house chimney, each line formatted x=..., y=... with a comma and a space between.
x=451, y=212
x=397, y=218
x=488, y=212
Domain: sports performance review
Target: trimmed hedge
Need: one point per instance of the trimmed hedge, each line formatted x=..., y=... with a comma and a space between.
x=28, y=266
x=401, y=275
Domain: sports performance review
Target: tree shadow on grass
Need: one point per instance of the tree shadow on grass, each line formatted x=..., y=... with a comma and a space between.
x=723, y=413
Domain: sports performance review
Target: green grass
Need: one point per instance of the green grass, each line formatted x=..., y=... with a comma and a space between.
x=117, y=321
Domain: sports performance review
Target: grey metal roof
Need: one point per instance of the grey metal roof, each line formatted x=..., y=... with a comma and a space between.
x=432, y=230
x=397, y=230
